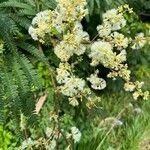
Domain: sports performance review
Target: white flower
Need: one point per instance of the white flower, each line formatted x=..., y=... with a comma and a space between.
x=72, y=10
x=72, y=44
x=121, y=57
x=139, y=41
x=26, y=143
x=76, y=134
x=146, y=95
x=119, y=40
x=62, y=75
x=137, y=110
x=32, y=32
x=42, y=16
x=97, y=83
x=139, y=84
x=63, y=51
x=116, y=19
x=45, y=22
x=124, y=72
x=136, y=95
x=72, y=86
x=101, y=52
x=73, y=101
x=129, y=86
x=104, y=30
x=62, y=72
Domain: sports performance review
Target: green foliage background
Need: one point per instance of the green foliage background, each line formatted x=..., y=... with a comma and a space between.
x=24, y=75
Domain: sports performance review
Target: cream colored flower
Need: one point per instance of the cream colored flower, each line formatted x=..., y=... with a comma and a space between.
x=129, y=86
x=101, y=52
x=104, y=30
x=63, y=51
x=146, y=95
x=76, y=134
x=136, y=94
x=116, y=19
x=96, y=82
x=72, y=86
x=62, y=73
x=119, y=40
x=73, y=101
x=139, y=41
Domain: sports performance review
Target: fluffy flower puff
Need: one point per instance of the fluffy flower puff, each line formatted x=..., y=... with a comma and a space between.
x=104, y=30
x=64, y=51
x=120, y=71
x=33, y=33
x=124, y=72
x=115, y=19
x=42, y=16
x=101, y=52
x=72, y=43
x=72, y=86
x=146, y=95
x=137, y=94
x=72, y=10
x=96, y=82
x=45, y=22
x=121, y=57
x=129, y=86
x=139, y=41
x=119, y=40
x=63, y=72
x=73, y=101
x=75, y=134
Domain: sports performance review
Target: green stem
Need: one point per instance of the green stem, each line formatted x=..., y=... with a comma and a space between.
x=111, y=128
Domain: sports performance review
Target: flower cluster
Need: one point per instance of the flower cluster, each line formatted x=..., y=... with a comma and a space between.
x=109, y=50
x=96, y=82
x=57, y=21
x=102, y=52
x=75, y=134
x=72, y=10
x=105, y=50
x=63, y=72
x=119, y=41
x=42, y=24
x=139, y=41
x=125, y=8
x=115, y=19
x=72, y=86
x=136, y=87
x=72, y=43
x=120, y=71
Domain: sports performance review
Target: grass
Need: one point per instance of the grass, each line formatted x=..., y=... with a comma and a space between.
x=133, y=134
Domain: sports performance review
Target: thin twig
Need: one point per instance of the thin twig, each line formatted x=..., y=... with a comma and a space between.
x=56, y=99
